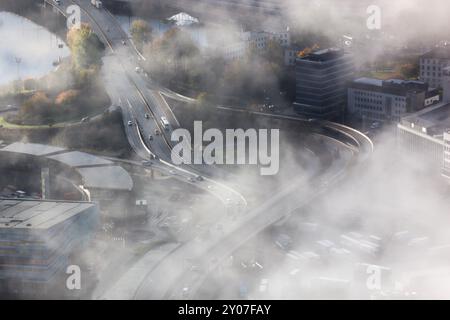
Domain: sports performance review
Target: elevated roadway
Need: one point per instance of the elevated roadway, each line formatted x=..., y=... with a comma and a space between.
x=138, y=96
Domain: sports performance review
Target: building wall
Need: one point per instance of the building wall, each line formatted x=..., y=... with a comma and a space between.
x=446, y=165
x=321, y=87
x=376, y=106
x=421, y=146
x=431, y=70
x=32, y=260
x=290, y=55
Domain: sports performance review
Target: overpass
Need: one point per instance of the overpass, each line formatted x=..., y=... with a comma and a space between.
x=138, y=95
x=206, y=9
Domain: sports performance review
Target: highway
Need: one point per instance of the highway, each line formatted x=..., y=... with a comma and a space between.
x=137, y=96
x=207, y=254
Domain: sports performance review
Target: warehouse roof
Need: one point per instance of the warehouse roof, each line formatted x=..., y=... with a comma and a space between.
x=95, y=172
x=79, y=159
x=32, y=148
x=38, y=214
x=114, y=177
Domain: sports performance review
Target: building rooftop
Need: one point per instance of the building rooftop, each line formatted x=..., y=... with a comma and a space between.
x=438, y=53
x=32, y=149
x=183, y=19
x=79, y=159
x=95, y=172
x=324, y=55
x=433, y=121
x=369, y=81
x=114, y=178
x=38, y=214
x=391, y=86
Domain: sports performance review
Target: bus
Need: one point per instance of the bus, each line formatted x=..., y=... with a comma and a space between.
x=165, y=123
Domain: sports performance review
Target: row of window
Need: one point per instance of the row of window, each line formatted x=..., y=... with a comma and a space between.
x=430, y=74
x=369, y=100
x=437, y=62
x=368, y=107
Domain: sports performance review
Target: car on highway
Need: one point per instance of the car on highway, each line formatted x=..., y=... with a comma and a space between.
x=138, y=70
x=85, y=119
x=147, y=116
x=199, y=178
x=150, y=137
x=124, y=43
x=190, y=179
x=130, y=123
x=165, y=123
x=146, y=163
x=157, y=132
x=375, y=125
x=58, y=2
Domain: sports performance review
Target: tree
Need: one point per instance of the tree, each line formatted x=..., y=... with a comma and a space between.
x=85, y=46
x=173, y=50
x=67, y=97
x=141, y=33
x=409, y=70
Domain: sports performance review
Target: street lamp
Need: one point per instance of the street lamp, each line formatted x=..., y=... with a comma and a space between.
x=18, y=62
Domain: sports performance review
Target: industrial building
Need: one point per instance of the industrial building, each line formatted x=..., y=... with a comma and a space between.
x=321, y=83
x=63, y=174
x=386, y=100
x=38, y=241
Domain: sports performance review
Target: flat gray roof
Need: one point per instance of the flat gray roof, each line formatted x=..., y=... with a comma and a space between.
x=79, y=159
x=369, y=81
x=95, y=172
x=113, y=177
x=32, y=148
x=436, y=119
x=38, y=214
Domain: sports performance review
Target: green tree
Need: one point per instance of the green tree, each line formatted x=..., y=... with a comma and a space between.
x=85, y=46
x=141, y=33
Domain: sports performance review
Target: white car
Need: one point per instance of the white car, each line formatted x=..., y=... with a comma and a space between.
x=130, y=123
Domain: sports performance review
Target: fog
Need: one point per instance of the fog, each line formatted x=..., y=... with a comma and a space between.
x=34, y=45
x=390, y=193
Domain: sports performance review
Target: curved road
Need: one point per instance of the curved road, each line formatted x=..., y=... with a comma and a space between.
x=129, y=90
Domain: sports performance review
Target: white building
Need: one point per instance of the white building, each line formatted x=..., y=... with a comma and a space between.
x=446, y=165
x=432, y=64
x=235, y=51
x=426, y=134
x=260, y=39
x=385, y=100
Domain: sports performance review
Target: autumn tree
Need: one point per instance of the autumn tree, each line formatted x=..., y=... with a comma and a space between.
x=85, y=46
x=141, y=33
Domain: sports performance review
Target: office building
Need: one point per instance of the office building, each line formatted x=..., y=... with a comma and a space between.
x=432, y=64
x=37, y=241
x=322, y=78
x=386, y=100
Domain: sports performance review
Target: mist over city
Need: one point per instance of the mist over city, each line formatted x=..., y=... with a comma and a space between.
x=225, y=150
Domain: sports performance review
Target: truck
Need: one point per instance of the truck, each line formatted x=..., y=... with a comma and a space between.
x=97, y=3
x=165, y=123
